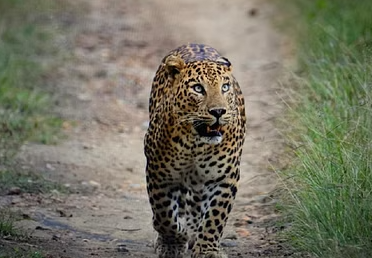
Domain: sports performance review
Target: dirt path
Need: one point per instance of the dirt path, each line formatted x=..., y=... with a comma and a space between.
x=117, y=47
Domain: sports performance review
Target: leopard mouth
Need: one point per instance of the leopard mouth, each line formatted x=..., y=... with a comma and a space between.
x=210, y=131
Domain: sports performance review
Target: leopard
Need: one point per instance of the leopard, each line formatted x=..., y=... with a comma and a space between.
x=193, y=148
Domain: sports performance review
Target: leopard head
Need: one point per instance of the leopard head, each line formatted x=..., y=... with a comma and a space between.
x=203, y=95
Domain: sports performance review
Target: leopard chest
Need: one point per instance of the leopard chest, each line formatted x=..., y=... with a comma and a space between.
x=211, y=165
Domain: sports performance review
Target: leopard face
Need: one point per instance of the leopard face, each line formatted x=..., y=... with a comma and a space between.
x=204, y=98
x=193, y=148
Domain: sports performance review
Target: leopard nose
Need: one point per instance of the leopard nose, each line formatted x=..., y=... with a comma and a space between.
x=217, y=112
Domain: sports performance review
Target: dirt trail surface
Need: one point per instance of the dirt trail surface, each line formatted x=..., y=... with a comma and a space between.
x=117, y=47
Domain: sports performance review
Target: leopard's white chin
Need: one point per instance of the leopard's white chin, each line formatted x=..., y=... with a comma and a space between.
x=214, y=140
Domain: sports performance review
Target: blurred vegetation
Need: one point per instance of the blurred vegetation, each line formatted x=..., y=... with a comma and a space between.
x=27, y=182
x=30, y=50
x=26, y=47
x=330, y=182
x=17, y=246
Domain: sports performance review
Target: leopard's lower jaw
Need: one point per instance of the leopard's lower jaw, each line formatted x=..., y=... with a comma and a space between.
x=214, y=140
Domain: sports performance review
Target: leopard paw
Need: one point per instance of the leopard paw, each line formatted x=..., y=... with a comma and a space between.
x=212, y=254
x=164, y=250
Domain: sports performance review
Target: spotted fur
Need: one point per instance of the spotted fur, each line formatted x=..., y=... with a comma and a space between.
x=193, y=147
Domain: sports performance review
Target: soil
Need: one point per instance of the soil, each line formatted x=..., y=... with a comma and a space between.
x=103, y=96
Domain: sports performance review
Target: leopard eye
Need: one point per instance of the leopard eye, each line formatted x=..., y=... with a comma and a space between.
x=198, y=88
x=225, y=87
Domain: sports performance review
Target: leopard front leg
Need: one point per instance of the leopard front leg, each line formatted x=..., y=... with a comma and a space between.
x=172, y=236
x=217, y=204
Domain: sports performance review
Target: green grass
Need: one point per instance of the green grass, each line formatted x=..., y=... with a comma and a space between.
x=21, y=252
x=26, y=42
x=29, y=54
x=15, y=240
x=18, y=253
x=331, y=178
x=7, y=227
x=27, y=182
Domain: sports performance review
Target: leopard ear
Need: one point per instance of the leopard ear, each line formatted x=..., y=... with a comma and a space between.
x=224, y=61
x=173, y=65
